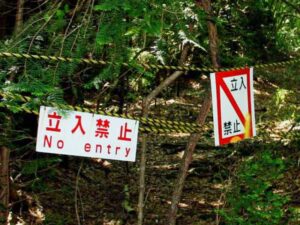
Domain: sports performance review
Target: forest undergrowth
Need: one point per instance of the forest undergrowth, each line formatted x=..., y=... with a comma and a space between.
x=222, y=186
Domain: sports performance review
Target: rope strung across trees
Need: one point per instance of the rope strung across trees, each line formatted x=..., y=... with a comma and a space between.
x=147, y=124
x=145, y=65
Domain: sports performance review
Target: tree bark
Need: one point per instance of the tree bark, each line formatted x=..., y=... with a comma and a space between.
x=146, y=103
x=4, y=182
x=194, y=138
x=212, y=33
x=19, y=15
x=3, y=17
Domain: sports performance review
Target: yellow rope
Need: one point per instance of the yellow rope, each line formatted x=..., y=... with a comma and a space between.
x=147, y=124
x=145, y=65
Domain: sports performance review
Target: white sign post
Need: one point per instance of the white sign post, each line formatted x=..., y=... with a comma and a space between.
x=233, y=105
x=85, y=134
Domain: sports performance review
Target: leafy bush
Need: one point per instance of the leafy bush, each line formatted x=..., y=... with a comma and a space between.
x=252, y=198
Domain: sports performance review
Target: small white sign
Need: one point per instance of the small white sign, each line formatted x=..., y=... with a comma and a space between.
x=85, y=134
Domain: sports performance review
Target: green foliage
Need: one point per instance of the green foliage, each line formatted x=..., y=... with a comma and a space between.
x=32, y=167
x=126, y=202
x=295, y=215
x=142, y=31
x=40, y=170
x=252, y=198
x=117, y=31
x=286, y=105
x=256, y=31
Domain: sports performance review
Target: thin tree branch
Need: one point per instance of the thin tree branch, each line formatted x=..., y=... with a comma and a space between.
x=194, y=138
x=146, y=104
x=76, y=193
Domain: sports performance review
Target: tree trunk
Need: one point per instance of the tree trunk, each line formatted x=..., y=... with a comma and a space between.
x=146, y=103
x=4, y=182
x=19, y=16
x=3, y=18
x=194, y=138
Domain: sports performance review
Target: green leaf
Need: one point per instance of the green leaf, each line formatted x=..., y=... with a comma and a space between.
x=127, y=207
x=66, y=8
x=107, y=6
x=103, y=36
x=133, y=31
x=60, y=14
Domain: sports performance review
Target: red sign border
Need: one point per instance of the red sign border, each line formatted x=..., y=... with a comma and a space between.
x=221, y=84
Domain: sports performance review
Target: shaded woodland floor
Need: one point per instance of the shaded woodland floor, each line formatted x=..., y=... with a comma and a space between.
x=107, y=192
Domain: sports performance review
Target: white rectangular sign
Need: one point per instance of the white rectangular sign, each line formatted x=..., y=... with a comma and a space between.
x=233, y=105
x=86, y=134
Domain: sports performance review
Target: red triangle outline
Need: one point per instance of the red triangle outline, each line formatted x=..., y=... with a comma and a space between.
x=231, y=99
